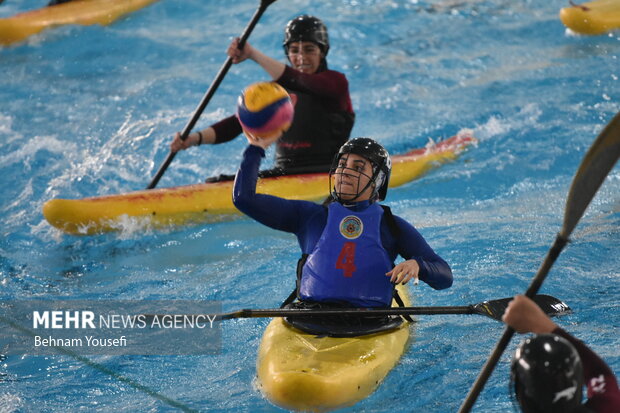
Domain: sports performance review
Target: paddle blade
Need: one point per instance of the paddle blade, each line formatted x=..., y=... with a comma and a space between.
x=495, y=308
x=551, y=305
x=598, y=162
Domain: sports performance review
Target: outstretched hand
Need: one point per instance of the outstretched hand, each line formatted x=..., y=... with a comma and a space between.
x=404, y=272
x=525, y=316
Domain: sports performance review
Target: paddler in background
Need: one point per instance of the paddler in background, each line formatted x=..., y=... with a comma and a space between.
x=550, y=368
x=323, y=112
x=350, y=245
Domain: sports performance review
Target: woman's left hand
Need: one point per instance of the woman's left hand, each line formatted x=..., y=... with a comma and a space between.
x=404, y=271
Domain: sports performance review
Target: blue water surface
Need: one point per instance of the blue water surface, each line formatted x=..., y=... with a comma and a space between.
x=91, y=110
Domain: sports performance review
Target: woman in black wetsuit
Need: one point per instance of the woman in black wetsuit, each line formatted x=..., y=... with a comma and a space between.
x=323, y=112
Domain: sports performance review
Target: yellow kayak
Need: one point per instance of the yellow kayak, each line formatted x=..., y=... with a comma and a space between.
x=211, y=202
x=595, y=17
x=300, y=371
x=84, y=12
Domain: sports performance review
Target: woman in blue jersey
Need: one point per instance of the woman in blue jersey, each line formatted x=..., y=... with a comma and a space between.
x=351, y=244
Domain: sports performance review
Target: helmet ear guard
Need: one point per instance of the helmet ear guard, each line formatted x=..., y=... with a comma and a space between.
x=383, y=179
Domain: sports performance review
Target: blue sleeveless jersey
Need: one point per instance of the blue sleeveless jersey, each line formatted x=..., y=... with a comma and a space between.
x=348, y=263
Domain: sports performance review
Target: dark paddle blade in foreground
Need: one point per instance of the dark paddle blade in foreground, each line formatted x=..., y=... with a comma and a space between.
x=600, y=159
x=211, y=91
x=493, y=309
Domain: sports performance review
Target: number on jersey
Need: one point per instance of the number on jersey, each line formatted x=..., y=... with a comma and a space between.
x=346, y=259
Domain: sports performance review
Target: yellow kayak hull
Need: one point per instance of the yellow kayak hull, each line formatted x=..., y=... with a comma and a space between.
x=299, y=371
x=595, y=17
x=85, y=12
x=211, y=202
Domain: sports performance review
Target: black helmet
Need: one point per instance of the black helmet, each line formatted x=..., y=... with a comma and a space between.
x=547, y=375
x=307, y=29
x=377, y=155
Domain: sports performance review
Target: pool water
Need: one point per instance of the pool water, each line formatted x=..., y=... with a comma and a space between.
x=91, y=110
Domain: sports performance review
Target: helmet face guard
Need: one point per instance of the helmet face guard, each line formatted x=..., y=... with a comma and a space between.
x=306, y=29
x=381, y=167
x=337, y=190
x=547, y=374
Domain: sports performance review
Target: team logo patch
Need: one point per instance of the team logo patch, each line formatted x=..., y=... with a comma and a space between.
x=351, y=227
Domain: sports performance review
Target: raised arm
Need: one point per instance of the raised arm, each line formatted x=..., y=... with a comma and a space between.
x=273, y=67
x=275, y=212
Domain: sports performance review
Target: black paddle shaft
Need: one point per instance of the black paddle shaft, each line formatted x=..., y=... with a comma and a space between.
x=211, y=91
x=493, y=309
